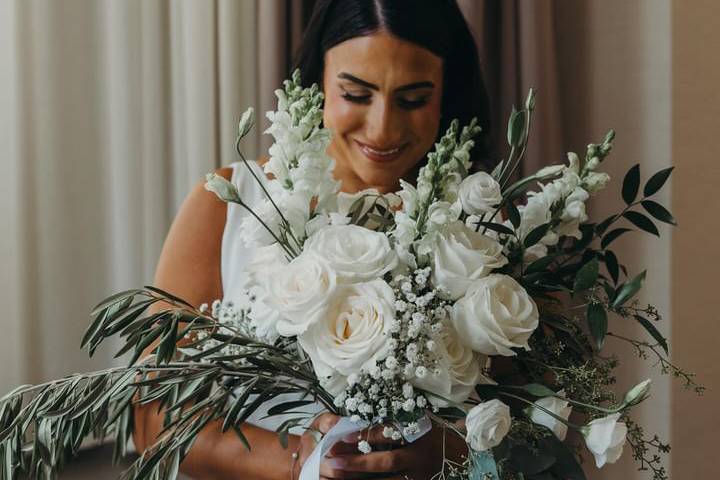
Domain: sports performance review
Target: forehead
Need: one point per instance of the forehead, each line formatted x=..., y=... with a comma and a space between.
x=383, y=59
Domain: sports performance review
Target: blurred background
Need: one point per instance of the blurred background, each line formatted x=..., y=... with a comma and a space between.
x=110, y=111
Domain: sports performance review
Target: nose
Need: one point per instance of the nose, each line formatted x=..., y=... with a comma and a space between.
x=384, y=125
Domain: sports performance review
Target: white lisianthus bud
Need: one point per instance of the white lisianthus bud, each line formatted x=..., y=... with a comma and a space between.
x=487, y=424
x=479, y=193
x=549, y=171
x=605, y=438
x=225, y=190
x=638, y=393
x=495, y=315
x=246, y=122
x=557, y=406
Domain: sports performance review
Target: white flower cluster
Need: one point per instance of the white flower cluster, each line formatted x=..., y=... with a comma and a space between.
x=434, y=204
x=387, y=388
x=302, y=172
x=560, y=203
x=233, y=319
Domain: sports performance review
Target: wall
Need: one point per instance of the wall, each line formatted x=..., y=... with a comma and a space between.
x=695, y=300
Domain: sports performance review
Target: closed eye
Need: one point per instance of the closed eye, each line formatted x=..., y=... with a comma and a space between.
x=356, y=98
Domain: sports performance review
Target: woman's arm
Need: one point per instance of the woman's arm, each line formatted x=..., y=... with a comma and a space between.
x=189, y=267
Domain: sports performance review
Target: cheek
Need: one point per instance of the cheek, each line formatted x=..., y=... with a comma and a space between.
x=341, y=116
x=425, y=123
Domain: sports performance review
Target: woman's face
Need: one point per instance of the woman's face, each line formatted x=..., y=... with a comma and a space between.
x=382, y=102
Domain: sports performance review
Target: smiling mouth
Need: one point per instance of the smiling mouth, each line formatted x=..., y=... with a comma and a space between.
x=380, y=155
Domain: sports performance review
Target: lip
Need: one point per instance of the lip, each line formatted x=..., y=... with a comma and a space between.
x=377, y=155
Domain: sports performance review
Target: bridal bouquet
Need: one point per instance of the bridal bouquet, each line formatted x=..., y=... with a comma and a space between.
x=476, y=302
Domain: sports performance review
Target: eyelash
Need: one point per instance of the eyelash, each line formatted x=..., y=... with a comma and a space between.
x=406, y=104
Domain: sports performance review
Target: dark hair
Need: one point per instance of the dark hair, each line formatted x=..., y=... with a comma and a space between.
x=436, y=25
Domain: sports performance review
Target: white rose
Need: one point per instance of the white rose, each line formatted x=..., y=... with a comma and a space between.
x=605, y=438
x=442, y=213
x=357, y=254
x=462, y=255
x=302, y=293
x=461, y=371
x=495, y=315
x=353, y=334
x=557, y=406
x=479, y=193
x=487, y=424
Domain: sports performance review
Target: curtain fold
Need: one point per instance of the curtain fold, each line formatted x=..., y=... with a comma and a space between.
x=115, y=110
x=517, y=46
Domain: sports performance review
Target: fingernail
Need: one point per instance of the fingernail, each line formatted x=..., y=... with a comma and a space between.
x=336, y=463
x=351, y=438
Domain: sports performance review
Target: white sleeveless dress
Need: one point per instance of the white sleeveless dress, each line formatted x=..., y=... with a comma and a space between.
x=233, y=259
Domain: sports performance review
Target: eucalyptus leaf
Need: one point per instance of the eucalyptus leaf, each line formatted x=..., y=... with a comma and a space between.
x=658, y=211
x=535, y=235
x=642, y=222
x=654, y=332
x=629, y=290
x=612, y=235
x=513, y=215
x=598, y=323
x=587, y=276
x=631, y=184
x=611, y=262
x=656, y=182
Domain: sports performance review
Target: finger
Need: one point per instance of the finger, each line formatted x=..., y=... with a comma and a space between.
x=374, y=436
x=325, y=422
x=329, y=469
x=375, y=462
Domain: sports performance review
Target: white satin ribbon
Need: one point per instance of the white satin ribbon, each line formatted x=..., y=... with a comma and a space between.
x=344, y=427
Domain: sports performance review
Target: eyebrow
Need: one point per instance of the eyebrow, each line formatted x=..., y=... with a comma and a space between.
x=371, y=86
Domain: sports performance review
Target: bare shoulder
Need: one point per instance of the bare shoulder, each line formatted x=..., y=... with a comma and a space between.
x=189, y=264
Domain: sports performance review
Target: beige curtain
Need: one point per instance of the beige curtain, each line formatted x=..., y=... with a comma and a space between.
x=517, y=45
x=111, y=112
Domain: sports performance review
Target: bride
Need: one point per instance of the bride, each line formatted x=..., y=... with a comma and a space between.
x=394, y=74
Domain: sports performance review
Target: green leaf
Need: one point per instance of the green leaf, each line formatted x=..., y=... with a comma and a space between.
x=539, y=265
x=516, y=128
x=566, y=465
x=612, y=236
x=602, y=226
x=611, y=262
x=513, y=215
x=631, y=184
x=642, y=222
x=657, y=181
x=654, y=332
x=658, y=211
x=530, y=463
x=629, y=290
x=538, y=390
x=497, y=227
x=587, y=276
x=535, y=235
x=598, y=323
x=284, y=407
x=498, y=169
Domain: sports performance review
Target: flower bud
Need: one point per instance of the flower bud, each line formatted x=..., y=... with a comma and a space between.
x=246, y=122
x=530, y=100
x=638, y=393
x=218, y=185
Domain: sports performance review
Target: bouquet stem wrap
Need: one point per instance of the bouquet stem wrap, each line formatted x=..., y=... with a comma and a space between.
x=344, y=427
